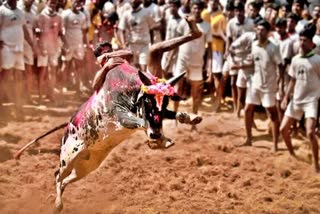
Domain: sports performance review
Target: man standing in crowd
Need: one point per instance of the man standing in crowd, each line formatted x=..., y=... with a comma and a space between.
x=136, y=25
x=292, y=21
x=218, y=24
x=169, y=59
x=262, y=85
x=282, y=39
x=304, y=83
x=191, y=54
x=235, y=27
x=75, y=33
x=29, y=56
x=13, y=31
x=253, y=10
x=155, y=13
x=48, y=27
x=240, y=50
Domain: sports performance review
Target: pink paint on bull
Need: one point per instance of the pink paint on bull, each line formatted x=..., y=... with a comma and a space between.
x=123, y=84
x=126, y=67
x=78, y=118
x=116, y=85
x=157, y=118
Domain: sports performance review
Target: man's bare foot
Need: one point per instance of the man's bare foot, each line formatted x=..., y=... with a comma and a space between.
x=248, y=142
x=238, y=113
x=254, y=125
x=216, y=105
x=275, y=148
x=194, y=30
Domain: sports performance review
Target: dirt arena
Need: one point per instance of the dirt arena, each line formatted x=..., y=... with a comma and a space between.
x=207, y=173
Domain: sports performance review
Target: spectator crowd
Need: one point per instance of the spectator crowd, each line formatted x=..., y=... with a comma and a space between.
x=264, y=51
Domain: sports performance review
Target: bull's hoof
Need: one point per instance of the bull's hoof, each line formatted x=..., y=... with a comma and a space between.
x=160, y=144
x=58, y=207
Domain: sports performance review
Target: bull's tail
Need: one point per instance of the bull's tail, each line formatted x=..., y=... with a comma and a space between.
x=19, y=153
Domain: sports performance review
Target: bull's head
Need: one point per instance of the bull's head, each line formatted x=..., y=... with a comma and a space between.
x=152, y=103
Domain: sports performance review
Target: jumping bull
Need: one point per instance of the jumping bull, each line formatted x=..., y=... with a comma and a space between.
x=128, y=100
x=125, y=100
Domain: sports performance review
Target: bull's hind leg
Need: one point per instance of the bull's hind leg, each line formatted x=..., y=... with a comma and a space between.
x=61, y=185
x=58, y=201
x=65, y=175
x=81, y=166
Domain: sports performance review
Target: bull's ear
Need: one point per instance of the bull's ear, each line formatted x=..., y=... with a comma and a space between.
x=173, y=80
x=144, y=79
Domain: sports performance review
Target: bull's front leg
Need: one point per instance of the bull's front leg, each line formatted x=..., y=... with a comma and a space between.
x=130, y=121
x=183, y=117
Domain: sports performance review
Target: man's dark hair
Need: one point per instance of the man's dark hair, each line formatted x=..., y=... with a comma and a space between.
x=255, y=5
x=101, y=48
x=300, y=2
x=281, y=22
x=175, y=2
x=257, y=20
x=287, y=6
x=239, y=6
x=294, y=17
x=264, y=24
x=199, y=3
x=308, y=31
x=230, y=6
x=113, y=18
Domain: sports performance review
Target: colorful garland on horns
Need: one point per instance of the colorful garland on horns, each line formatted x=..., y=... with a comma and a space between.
x=159, y=89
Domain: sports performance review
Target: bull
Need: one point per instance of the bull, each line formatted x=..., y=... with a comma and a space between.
x=127, y=100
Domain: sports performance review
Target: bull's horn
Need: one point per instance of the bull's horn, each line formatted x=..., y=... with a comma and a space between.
x=144, y=79
x=173, y=80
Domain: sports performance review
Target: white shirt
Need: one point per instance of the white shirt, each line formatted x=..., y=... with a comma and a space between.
x=155, y=13
x=172, y=26
x=138, y=25
x=122, y=8
x=193, y=51
x=50, y=27
x=306, y=72
x=316, y=40
x=285, y=46
x=74, y=24
x=266, y=60
x=30, y=21
x=235, y=29
x=11, y=28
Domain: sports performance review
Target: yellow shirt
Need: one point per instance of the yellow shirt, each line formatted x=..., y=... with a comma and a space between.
x=95, y=22
x=217, y=22
x=68, y=4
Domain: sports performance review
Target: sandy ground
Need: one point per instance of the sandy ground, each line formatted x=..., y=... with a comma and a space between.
x=203, y=173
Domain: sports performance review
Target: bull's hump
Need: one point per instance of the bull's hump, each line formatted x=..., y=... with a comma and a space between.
x=128, y=68
x=123, y=78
